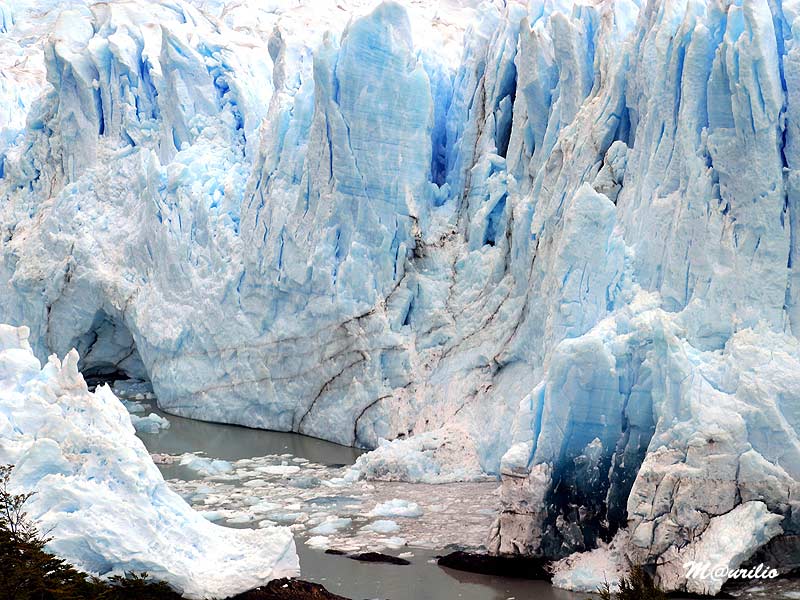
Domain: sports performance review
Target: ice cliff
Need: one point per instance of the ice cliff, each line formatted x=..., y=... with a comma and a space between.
x=561, y=247
x=99, y=495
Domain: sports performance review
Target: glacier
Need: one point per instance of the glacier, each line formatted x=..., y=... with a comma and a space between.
x=553, y=241
x=98, y=493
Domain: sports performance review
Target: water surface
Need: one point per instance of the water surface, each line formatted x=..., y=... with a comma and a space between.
x=420, y=580
x=462, y=516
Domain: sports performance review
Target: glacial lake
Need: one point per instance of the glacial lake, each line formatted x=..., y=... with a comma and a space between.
x=281, y=478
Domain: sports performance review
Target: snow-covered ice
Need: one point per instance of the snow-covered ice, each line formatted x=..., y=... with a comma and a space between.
x=98, y=493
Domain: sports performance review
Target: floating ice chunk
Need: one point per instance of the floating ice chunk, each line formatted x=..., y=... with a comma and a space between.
x=331, y=525
x=279, y=469
x=320, y=542
x=288, y=518
x=164, y=459
x=396, y=508
x=205, y=466
x=132, y=406
x=266, y=523
x=211, y=515
x=391, y=542
x=305, y=482
x=241, y=518
x=254, y=483
x=152, y=423
x=382, y=526
x=264, y=506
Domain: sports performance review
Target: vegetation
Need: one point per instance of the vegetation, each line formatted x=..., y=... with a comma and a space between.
x=28, y=572
x=638, y=585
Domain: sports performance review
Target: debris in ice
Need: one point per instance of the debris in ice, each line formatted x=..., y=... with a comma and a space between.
x=275, y=499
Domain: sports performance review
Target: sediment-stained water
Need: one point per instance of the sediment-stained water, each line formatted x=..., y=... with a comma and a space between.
x=240, y=477
x=246, y=477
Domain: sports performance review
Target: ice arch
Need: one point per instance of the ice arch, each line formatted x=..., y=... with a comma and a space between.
x=108, y=351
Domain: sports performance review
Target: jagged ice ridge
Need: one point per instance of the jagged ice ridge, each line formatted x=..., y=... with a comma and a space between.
x=99, y=495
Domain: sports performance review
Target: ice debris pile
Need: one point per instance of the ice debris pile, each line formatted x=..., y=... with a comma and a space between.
x=99, y=494
x=573, y=220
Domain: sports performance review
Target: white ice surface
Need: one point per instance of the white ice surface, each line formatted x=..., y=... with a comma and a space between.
x=98, y=493
x=396, y=507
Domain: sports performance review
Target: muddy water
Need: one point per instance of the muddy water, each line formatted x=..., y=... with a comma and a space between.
x=420, y=580
x=457, y=514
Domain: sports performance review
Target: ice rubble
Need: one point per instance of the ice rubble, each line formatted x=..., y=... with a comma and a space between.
x=100, y=496
x=583, y=228
x=254, y=494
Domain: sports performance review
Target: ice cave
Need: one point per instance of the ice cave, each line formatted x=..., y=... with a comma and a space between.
x=108, y=351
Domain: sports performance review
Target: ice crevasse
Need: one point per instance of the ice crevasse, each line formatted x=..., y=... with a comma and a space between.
x=554, y=241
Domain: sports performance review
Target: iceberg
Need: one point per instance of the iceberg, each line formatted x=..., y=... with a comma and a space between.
x=549, y=241
x=98, y=493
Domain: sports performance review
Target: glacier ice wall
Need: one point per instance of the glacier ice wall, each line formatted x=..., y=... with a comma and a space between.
x=562, y=251
x=98, y=493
